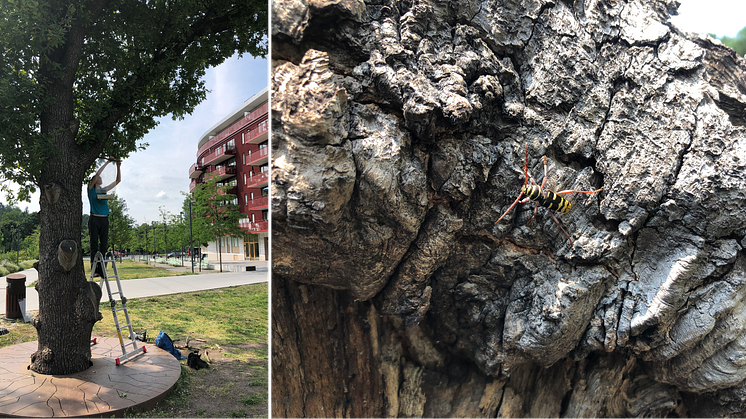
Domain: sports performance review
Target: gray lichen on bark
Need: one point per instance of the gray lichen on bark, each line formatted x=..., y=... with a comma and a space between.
x=398, y=140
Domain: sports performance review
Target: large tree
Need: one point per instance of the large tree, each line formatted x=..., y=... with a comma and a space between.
x=399, y=131
x=81, y=79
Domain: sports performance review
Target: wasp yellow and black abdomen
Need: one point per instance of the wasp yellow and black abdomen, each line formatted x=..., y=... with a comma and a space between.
x=555, y=202
x=547, y=199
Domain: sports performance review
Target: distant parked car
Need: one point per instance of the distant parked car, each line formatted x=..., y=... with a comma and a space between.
x=174, y=255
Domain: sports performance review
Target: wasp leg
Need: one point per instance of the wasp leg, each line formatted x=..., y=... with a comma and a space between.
x=544, y=182
x=588, y=192
x=511, y=207
x=560, y=226
x=536, y=207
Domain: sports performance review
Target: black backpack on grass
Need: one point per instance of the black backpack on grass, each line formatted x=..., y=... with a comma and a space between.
x=195, y=361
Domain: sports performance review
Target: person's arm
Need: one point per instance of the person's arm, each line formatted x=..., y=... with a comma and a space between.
x=90, y=184
x=119, y=178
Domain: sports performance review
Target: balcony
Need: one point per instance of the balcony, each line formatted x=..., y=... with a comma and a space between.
x=258, y=204
x=259, y=227
x=193, y=184
x=258, y=181
x=222, y=172
x=258, y=158
x=220, y=155
x=254, y=135
x=196, y=170
x=258, y=134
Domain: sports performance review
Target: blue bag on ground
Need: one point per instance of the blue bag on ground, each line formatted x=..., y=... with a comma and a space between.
x=164, y=342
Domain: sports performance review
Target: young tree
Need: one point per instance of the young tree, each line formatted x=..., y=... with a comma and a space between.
x=80, y=79
x=120, y=224
x=31, y=244
x=217, y=212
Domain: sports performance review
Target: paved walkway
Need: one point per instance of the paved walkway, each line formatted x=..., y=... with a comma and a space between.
x=148, y=287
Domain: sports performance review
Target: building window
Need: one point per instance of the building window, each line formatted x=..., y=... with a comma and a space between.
x=246, y=199
x=244, y=158
x=244, y=178
x=243, y=138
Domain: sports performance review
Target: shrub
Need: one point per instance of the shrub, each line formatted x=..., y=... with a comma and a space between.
x=27, y=264
x=3, y=271
x=12, y=267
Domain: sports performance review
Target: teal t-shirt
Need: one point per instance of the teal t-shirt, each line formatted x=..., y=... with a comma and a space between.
x=98, y=206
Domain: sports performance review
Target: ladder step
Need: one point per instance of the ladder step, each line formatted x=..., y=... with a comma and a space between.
x=100, y=260
x=127, y=355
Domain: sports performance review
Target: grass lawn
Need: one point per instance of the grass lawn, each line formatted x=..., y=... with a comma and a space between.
x=231, y=324
x=129, y=269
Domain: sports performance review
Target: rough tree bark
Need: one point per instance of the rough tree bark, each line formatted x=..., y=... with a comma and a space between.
x=398, y=138
x=68, y=307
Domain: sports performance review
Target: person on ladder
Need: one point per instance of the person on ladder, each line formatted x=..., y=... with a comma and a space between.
x=98, y=223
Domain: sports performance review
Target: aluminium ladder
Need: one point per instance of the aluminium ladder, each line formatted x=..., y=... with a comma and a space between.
x=99, y=259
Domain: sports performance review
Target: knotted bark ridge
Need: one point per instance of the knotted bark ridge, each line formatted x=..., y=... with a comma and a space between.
x=398, y=140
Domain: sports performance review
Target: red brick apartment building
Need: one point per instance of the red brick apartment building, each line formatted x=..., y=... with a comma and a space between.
x=236, y=149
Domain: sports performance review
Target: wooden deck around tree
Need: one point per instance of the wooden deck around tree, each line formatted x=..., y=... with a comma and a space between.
x=104, y=389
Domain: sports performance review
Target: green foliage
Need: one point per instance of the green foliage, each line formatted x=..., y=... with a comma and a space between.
x=738, y=43
x=11, y=267
x=15, y=226
x=31, y=244
x=27, y=264
x=216, y=213
x=120, y=225
x=4, y=272
x=114, y=67
x=85, y=237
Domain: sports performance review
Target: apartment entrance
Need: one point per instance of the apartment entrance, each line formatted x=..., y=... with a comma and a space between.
x=251, y=246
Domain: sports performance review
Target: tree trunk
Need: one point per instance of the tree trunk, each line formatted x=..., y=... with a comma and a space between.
x=68, y=303
x=399, y=131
